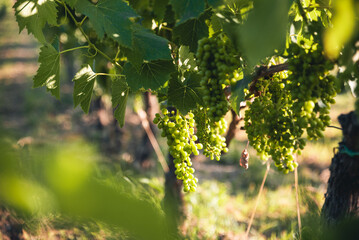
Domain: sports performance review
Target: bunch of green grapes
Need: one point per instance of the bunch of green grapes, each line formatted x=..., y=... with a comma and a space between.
x=217, y=63
x=209, y=134
x=312, y=88
x=270, y=124
x=286, y=108
x=179, y=131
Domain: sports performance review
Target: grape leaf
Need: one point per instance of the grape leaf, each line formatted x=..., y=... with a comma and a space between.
x=214, y=3
x=343, y=22
x=237, y=93
x=84, y=83
x=150, y=46
x=151, y=75
x=48, y=73
x=34, y=14
x=185, y=95
x=265, y=29
x=189, y=32
x=72, y=3
x=187, y=60
x=120, y=92
x=159, y=8
x=187, y=9
x=112, y=17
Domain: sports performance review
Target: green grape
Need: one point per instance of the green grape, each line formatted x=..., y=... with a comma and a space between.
x=179, y=130
x=209, y=134
x=218, y=66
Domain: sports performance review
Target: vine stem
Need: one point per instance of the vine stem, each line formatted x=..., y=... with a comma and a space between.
x=146, y=125
x=91, y=45
x=335, y=127
x=264, y=71
x=257, y=202
x=297, y=198
x=109, y=74
x=73, y=49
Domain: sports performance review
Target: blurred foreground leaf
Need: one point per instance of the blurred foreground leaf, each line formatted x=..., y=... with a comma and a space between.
x=265, y=29
x=343, y=27
x=68, y=186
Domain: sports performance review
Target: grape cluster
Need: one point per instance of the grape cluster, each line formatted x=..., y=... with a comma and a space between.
x=270, y=125
x=181, y=139
x=217, y=62
x=312, y=88
x=287, y=108
x=209, y=134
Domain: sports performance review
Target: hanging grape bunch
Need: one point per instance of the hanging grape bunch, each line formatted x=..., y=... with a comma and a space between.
x=209, y=134
x=179, y=131
x=287, y=107
x=312, y=88
x=217, y=61
x=269, y=124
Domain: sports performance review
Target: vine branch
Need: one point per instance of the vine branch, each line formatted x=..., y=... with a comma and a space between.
x=264, y=71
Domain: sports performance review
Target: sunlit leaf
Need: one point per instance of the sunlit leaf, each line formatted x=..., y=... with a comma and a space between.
x=343, y=26
x=34, y=14
x=84, y=83
x=120, y=92
x=48, y=73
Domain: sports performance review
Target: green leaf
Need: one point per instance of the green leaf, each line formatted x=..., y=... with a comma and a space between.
x=159, y=8
x=111, y=17
x=185, y=95
x=151, y=75
x=187, y=9
x=343, y=28
x=265, y=30
x=214, y=3
x=84, y=83
x=48, y=73
x=189, y=32
x=187, y=60
x=120, y=92
x=71, y=3
x=34, y=14
x=237, y=93
x=150, y=46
